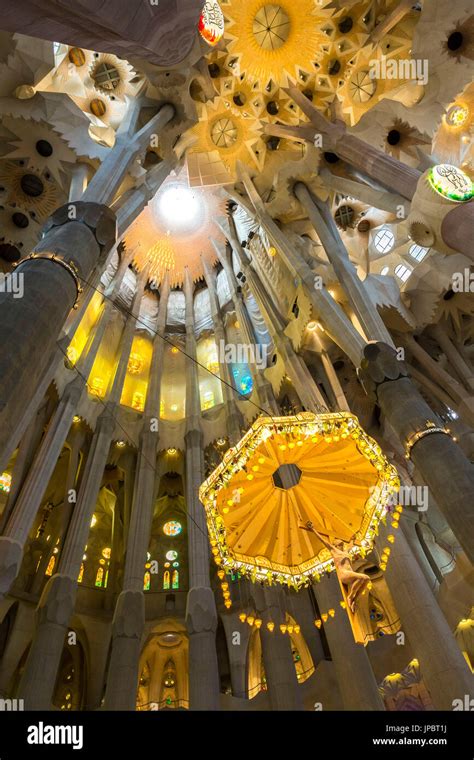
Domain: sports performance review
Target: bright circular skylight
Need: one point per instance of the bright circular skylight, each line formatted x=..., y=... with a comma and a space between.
x=384, y=240
x=179, y=209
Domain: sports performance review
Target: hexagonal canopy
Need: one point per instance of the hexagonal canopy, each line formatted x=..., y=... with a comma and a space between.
x=284, y=472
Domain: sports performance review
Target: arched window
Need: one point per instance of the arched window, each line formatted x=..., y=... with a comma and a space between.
x=417, y=252
x=147, y=581
x=385, y=271
x=99, y=578
x=166, y=580
x=81, y=573
x=175, y=581
x=51, y=564
x=402, y=272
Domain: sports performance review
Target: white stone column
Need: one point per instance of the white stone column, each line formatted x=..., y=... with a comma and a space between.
x=354, y=673
x=440, y=462
x=331, y=375
x=280, y=671
x=457, y=361
x=79, y=179
x=434, y=370
x=128, y=145
x=237, y=652
x=443, y=668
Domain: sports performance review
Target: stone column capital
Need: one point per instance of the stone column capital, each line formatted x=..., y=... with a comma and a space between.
x=201, y=613
x=379, y=365
x=129, y=616
x=193, y=437
x=11, y=553
x=56, y=604
x=100, y=219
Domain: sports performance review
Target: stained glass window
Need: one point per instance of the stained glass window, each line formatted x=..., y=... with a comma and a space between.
x=5, y=482
x=99, y=578
x=175, y=583
x=171, y=555
x=211, y=23
x=166, y=580
x=51, y=564
x=147, y=581
x=242, y=378
x=172, y=528
x=81, y=573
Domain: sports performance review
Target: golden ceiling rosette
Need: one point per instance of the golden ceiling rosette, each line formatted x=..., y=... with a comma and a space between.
x=284, y=472
x=270, y=40
x=225, y=137
x=371, y=77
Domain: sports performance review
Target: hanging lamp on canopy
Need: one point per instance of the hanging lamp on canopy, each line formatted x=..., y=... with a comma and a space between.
x=285, y=472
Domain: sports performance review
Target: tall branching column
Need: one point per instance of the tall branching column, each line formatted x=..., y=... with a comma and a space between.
x=129, y=617
x=57, y=602
x=201, y=613
x=263, y=389
x=344, y=269
x=325, y=308
x=304, y=384
x=76, y=240
x=29, y=500
x=234, y=417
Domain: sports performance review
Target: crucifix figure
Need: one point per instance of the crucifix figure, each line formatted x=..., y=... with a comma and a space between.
x=356, y=582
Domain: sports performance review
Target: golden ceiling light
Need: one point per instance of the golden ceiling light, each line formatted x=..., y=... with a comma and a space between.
x=271, y=40
x=97, y=107
x=338, y=478
x=77, y=57
x=457, y=116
